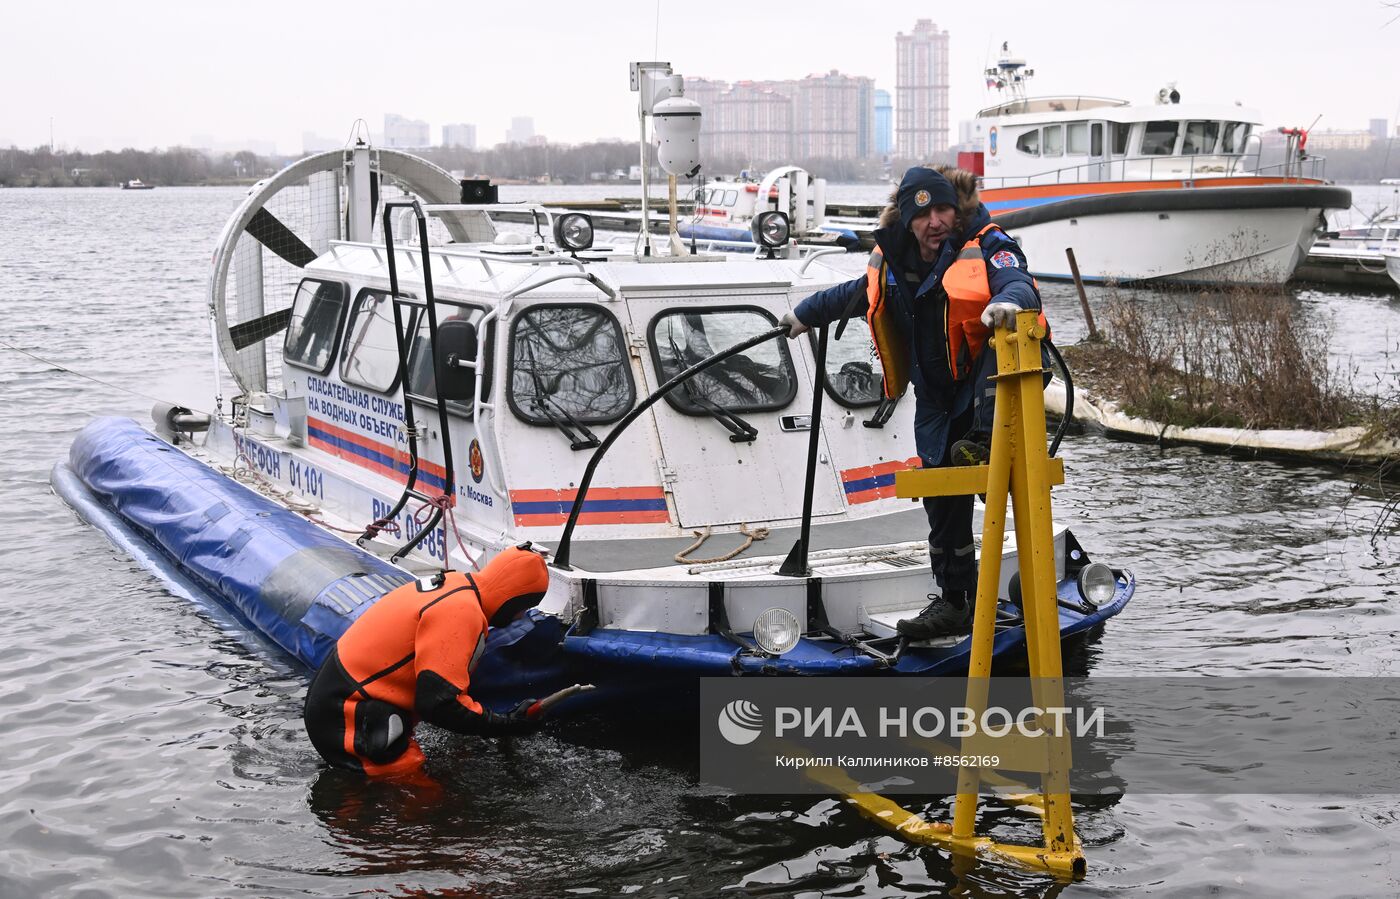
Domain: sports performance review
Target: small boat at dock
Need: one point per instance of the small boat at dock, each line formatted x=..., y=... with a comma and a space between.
x=720, y=213
x=1353, y=257
x=1357, y=257
x=1392, y=264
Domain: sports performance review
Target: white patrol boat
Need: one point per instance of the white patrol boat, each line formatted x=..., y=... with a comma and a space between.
x=417, y=390
x=1162, y=191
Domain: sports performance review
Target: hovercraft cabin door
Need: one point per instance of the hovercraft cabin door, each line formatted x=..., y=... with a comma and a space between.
x=734, y=438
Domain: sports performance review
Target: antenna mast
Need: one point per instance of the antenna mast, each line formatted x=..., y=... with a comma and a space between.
x=1010, y=76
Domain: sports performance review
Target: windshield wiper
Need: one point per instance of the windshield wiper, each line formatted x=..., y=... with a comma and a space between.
x=740, y=431
x=580, y=438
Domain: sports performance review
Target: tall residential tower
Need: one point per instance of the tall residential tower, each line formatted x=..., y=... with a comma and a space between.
x=921, y=92
x=884, y=124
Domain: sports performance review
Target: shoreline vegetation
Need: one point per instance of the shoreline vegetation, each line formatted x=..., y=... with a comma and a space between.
x=1234, y=366
x=600, y=162
x=542, y=163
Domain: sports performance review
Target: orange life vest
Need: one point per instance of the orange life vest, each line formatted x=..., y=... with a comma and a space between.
x=891, y=346
x=965, y=283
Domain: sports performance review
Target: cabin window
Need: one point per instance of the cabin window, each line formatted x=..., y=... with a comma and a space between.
x=1236, y=133
x=853, y=376
x=1200, y=138
x=1228, y=141
x=422, y=380
x=1159, y=138
x=1029, y=143
x=569, y=362
x=1077, y=139
x=1054, y=141
x=1096, y=139
x=314, y=328
x=371, y=357
x=731, y=197
x=759, y=379
x=1118, y=135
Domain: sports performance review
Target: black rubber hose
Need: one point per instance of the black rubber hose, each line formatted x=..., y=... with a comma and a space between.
x=1069, y=397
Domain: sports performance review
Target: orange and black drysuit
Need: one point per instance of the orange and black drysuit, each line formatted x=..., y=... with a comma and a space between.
x=410, y=656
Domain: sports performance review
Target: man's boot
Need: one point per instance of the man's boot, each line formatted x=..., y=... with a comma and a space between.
x=944, y=616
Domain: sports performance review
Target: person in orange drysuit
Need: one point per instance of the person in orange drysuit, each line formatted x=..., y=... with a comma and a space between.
x=409, y=657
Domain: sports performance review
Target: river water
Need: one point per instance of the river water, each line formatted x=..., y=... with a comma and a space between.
x=147, y=752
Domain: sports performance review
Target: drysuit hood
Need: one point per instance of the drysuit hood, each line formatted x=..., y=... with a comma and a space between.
x=515, y=580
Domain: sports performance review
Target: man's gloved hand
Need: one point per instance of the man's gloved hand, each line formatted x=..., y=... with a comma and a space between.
x=1000, y=315
x=517, y=721
x=794, y=324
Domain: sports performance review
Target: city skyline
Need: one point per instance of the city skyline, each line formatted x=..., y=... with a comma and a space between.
x=152, y=75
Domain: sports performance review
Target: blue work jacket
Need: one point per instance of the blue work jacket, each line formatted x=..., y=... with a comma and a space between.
x=919, y=310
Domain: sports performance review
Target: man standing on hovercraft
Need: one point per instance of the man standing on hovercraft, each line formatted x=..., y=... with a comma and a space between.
x=941, y=277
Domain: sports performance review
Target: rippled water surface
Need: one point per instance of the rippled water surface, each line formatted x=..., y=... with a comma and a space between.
x=147, y=751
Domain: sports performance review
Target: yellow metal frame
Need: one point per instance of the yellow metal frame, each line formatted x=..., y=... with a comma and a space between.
x=1019, y=467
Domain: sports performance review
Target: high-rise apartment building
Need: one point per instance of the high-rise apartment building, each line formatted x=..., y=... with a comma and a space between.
x=459, y=135
x=834, y=117
x=405, y=133
x=921, y=92
x=753, y=122
x=522, y=128
x=884, y=124
x=829, y=116
x=706, y=92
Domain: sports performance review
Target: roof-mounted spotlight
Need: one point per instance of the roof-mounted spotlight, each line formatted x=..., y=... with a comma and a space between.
x=573, y=231
x=771, y=230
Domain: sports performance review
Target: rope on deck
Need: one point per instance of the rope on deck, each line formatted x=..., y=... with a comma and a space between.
x=701, y=536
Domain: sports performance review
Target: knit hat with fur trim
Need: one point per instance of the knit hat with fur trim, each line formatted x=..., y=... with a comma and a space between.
x=921, y=190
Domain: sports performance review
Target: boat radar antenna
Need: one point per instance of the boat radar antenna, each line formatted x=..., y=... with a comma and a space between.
x=1010, y=76
x=676, y=123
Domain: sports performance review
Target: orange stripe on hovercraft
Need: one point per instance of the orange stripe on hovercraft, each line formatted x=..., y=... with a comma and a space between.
x=603, y=505
x=871, y=482
x=383, y=458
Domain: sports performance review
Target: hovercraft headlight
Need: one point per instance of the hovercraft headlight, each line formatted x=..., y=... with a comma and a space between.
x=573, y=231
x=776, y=631
x=771, y=229
x=1097, y=583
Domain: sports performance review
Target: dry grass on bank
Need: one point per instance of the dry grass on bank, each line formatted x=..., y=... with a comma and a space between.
x=1233, y=358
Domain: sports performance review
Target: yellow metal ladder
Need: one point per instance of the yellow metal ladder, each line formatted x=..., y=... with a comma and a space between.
x=1019, y=466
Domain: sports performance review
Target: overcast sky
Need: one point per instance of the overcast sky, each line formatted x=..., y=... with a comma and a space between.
x=142, y=73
